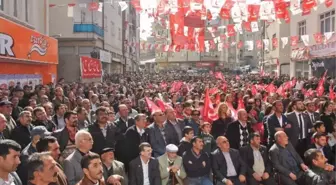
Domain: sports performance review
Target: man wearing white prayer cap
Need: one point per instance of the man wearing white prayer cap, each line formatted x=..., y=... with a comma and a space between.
x=171, y=167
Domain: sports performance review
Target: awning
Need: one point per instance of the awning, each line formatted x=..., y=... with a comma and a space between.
x=147, y=61
x=299, y=54
x=325, y=49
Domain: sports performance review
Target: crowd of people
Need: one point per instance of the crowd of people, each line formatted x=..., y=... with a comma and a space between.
x=156, y=129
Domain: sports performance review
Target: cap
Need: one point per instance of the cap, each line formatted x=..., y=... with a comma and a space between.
x=5, y=102
x=171, y=148
x=105, y=150
x=39, y=130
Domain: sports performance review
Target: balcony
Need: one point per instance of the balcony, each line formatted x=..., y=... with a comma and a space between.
x=85, y=28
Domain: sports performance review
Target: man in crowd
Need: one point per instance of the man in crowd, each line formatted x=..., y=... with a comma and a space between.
x=21, y=133
x=317, y=175
x=124, y=121
x=42, y=169
x=41, y=119
x=258, y=165
x=299, y=134
x=72, y=164
x=160, y=134
x=50, y=144
x=320, y=143
x=92, y=169
x=9, y=161
x=238, y=131
x=82, y=118
x=3, y=122
x=16, y=108
x=104, y=135
x=59, y=116
x=172, y=121
x=311, y=111
x=6, y=109
x=227, y=165
x=171, y=166
x=114, y=171
x=197, y=163
x=60, y=98
x=144, y=170
x=286, y=161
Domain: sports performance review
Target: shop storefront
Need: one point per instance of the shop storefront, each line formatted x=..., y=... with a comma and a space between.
x=26, y=56
x=299, y=65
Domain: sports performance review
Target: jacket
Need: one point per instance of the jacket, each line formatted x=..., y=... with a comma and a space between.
x=164, y=173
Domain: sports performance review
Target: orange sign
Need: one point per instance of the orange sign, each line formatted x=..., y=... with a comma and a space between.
x=22, y=43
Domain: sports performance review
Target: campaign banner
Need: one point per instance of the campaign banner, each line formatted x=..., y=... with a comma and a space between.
x=90, y=67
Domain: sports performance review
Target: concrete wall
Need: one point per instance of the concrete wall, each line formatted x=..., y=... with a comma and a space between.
x=37, y=11
x=69, y=68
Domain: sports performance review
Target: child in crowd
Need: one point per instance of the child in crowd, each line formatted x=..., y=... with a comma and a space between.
x=188, y=134
x=319, y=128
x=208, y=139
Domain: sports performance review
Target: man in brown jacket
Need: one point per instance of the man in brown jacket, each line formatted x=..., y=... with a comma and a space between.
x=93, y=170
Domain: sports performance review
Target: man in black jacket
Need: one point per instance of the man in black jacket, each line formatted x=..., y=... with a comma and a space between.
x=320, y=143
x=134, y=135
x=21, y=133
x=197, y=163
x=144, y=170
x=259, y=167
x=227, y=165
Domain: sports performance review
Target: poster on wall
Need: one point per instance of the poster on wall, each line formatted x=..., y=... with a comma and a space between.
x=90, y=67
x=3, y=81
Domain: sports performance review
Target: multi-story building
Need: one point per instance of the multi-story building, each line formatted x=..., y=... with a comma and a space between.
x=26, y=50
x=131, y=35
x=321, y=20
x=96, y=33
x=269, y=57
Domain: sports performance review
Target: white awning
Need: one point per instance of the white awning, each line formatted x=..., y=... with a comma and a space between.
x=148, y=61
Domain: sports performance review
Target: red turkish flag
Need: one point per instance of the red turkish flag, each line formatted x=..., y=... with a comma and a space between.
x=253, y=11
x=94, y=6
x=259, y=44
x=247, y=26
x=231, y=30
x=280, y=9
x=212, y=44
x=225, y=10
x=305, y=12
x=328, y=3
x=294, y=40
x=136, y=4
x=318, y=38
x=331, y=93
x=209, y=15
x=275, y=42
x=151, y=105
x=287, y=16
x=308, y=4
x=209, y=112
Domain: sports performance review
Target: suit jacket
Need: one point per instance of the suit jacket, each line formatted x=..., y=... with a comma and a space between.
x=164, y=173
x=21, y=134
x=233, y=134
x=219, y=165
x=16, y=178
x=246, y=153
x=135, y=174
x=87, y=181
x=294, y=131
x=272, y=122
x=181, y=126
x=280, y=161
x=316, y=116
x=156, y=139
x=327, y=153
x=118, y=169
x=62, y=136
x=72, y=167
x=317, y=176
x=121, y=124
x=99, y=141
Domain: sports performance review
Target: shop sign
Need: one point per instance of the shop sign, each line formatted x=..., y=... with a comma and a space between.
x=19, y=42
x=105, y=56
x=323, y=50
x=90, y=67
x=204, y=64
x=317, y=64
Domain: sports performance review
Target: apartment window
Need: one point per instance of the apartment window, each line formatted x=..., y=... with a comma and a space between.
x=119, y=33
x=2, y=5
x=112, y=29
x=15, y=8
x=302, y=28
x=26, y=10
x=83, y=15
x=327, y=22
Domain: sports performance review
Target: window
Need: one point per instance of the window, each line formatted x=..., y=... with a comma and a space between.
x=327, y=22
x=1, y=4
x=26, y=10
x=15, y=8
x=112, y=29
x=119, y=33
x=83, y=15
x=302, y=29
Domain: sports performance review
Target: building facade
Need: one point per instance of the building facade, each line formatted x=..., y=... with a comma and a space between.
x=321, y=20
x=26, y=22
x=87, y=32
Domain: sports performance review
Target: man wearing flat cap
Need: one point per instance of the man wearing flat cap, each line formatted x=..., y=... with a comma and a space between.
x=171, y=168
x=114, y=171
x=6, y=108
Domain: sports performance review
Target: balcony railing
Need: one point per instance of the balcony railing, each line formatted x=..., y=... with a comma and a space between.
x=84, y=28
